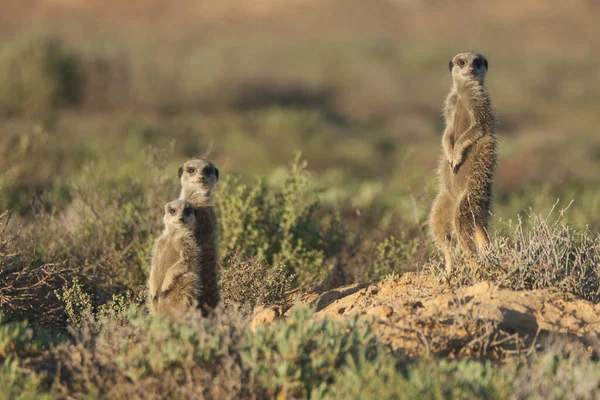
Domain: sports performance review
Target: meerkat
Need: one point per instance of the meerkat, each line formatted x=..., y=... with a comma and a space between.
x=198, y=178
x=175, y=282
x=467, y=166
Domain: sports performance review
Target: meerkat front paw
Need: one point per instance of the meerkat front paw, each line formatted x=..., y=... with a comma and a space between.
x=457, y=161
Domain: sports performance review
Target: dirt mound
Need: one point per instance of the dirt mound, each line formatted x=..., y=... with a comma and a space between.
x=417, y=314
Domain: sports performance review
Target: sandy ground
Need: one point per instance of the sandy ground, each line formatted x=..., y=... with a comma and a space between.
x=418, y=314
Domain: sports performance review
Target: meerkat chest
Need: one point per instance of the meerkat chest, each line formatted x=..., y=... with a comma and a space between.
x=166, y=254
x=169, y=249
x=205, y=224
x=462, y=118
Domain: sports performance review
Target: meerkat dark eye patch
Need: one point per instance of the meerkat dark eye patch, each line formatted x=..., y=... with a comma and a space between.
x=208, y=170
x=477, y=63
x=191, y=170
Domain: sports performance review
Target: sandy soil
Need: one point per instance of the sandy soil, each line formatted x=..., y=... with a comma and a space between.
x=418, y=314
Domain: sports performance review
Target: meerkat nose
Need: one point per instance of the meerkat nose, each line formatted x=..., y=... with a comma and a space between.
x=181, y=219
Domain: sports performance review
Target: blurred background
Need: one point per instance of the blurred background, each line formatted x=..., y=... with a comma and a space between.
x=357, y=87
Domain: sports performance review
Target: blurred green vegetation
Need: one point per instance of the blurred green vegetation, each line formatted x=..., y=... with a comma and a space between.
x=300, y=357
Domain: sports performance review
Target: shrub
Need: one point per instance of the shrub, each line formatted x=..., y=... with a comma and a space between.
x=37, y=73
x=27, y=288
x=280, y=226
x=199, y=358
x=299, y=358
x=17, y=338
x=393, y=256
x=426, y=378
x=540, y=254
x=247, y=284
x=17, y=384
x=564, y=369
x=77, y=303
x=97, y=247
x=456, y=380
x=137, y=355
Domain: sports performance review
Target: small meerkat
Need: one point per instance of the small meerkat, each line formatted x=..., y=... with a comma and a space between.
x=467, y=167
x=175, y=282
x=198, y=178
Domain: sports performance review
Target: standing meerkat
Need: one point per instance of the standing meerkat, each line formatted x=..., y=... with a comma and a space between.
x=198, y=177
x=175, y=283
x=468, y=163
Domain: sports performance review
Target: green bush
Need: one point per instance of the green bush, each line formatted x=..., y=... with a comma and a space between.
x=394, y=256
x=216, y=358
x=138, y=354
x=427, y=378
x=17, y=383
x=17, y=338
x=299, y=358
x=77, y=303
x=303, y=356
x=281, y=226
x=37, y=73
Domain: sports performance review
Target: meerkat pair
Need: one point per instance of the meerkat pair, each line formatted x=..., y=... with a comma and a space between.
x=184, y=271
x=466, y=170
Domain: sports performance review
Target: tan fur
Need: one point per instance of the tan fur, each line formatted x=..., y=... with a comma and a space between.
x=467, y=167
x=198, y=177
x=175, y=283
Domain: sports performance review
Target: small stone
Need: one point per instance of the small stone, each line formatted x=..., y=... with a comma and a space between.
x=264, y=316
x=381, y=311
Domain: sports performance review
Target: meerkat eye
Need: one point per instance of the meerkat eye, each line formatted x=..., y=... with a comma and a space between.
x=461, y=62
x=172, y=210
x=191, y=170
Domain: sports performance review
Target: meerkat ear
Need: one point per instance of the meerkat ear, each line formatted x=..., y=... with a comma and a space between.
x=180, y=171
x=485, y=63
x=450, y=65
x=217, y=173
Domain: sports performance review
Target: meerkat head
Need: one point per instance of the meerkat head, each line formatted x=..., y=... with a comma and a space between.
x=198, y=175
x=468, y=66
x=179, y=213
